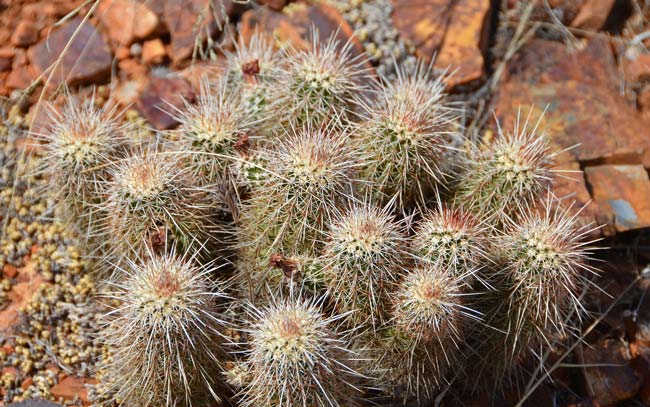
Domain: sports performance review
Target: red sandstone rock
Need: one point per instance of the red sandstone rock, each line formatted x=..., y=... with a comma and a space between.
x=295, y=27
x=624, y=192
x=160, y=96
x=454, y=31
x=593, y=14
x=25, y=34
x=127, y=20
x=84, y=55
x=153, y=52
x=608, y=374
x=188, y=21
x=70, y=387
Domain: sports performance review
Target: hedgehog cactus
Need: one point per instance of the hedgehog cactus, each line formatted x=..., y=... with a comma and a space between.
x=422, y=341
x=79, y=147
x=545, y=271
x=310, y=174
x=505, y=176
x=542, y=272
x=362, y=261
x=320, y=84
x=329, y=175
x=164, y=335
x=154, y=201
x=407, y=135
x=454, y=238
x=251, y=72
x=296, y=359
x=211, y=130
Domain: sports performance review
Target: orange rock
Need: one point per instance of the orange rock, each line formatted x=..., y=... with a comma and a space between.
x=87, y=57
x=544, y=61
x=295, y=26
x=623, y=191
x=593, y=14
x=70, y=387
x=27, y=283
x=638, y=69
x=9, y=271
x=20, y=77
x=462, y=48
x=571, y=188
x=25, y=34
x=132, y=68
x=194, y=73
x=127, y=20
x=453, y=31
x=609, y=377
x=189, y=21
x=26, y=383
x=153, y=52
x=159, y=95
x=122, y=52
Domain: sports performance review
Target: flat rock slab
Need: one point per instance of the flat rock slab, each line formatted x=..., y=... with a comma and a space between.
x=454, y=31
x=592, y=119
x=623, y=192
x=84, y=55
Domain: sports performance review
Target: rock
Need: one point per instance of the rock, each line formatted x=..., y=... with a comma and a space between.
x=571, y=188
x=127, y=21
x=27, y=282
x=608, y=375
x=5, y=64
x=6, y=58
x=593, y=14
x=623, y=191
x=276, y=5
x=563, y=10
x=132, y=68
x=20, y=78
x=160, y=96
x=643, y=99
x=87, y=57
x=69, y=388
x=153, y=52
x=543, y=61
x=9, y=271
x=455, y=31
x=295, y=26
x=25, y=34
x=126, y=93
x=194, y=73
x=189, y=21
x=638, y=69
x=584, y=117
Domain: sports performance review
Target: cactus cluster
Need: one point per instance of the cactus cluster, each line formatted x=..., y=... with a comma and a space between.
x=370, y=250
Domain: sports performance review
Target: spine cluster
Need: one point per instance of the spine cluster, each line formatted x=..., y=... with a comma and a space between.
x=367, y=247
